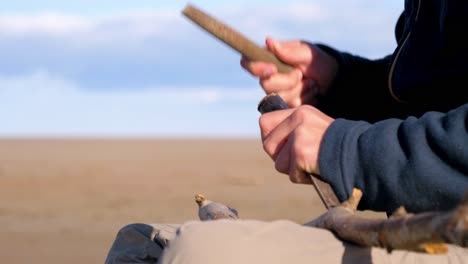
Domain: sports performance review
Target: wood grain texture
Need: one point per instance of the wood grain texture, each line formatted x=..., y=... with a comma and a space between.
x=233, y=38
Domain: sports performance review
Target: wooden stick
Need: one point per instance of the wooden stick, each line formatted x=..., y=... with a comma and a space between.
x=233, y=38
x=424, y=232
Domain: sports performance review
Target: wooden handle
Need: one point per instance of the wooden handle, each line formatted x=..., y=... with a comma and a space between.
x=233, y=38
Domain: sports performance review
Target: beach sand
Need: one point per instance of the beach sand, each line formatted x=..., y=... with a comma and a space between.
x=64, y=200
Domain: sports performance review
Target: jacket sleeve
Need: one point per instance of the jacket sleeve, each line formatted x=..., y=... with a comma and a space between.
x=361, y=84
x=420, y=163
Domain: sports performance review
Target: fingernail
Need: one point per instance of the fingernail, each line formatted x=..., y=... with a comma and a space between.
x=277, y=45
x=267, y=73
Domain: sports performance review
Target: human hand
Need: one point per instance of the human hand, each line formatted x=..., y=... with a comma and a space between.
x=292, y=139
x=313, y=74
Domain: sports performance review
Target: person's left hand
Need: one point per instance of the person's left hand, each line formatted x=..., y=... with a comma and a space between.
x=292, y=139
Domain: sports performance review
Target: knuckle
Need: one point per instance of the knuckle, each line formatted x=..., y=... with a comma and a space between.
x=293, y=179
x=295, y=102
x=270, y=86
x=280, y=168
x=303, y=113
x=268, y=147
x=263, y=122
x=298, y=177
x=300, y=133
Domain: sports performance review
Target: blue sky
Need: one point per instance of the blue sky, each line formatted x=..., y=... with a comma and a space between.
x=140, y=69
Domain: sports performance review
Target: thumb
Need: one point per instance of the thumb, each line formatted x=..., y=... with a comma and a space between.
x=269, y=121
x=293, y=52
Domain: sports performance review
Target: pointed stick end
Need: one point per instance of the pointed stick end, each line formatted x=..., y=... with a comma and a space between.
x=434, y=248
x=399, y=212
x=354, y=199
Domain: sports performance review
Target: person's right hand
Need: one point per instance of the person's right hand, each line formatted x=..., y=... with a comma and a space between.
x=314, y=71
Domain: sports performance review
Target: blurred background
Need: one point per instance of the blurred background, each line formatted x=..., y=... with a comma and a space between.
x=139, y=68
x=113, y=112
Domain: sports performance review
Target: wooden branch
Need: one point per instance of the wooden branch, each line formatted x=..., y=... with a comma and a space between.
x=425, y=232
x=428, y=232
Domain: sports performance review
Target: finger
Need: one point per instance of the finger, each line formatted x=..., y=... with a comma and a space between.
x=292, y=52
x=270, y=121
x=285, y=163
x=279, y=82
x=282, y=157
x=278, y=124
x=270, y=43
x=273, y=135
x=278, y=136
x=258, y=68
x=297, y=174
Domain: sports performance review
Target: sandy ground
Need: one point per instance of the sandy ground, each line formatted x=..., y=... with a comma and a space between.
x=63, y=201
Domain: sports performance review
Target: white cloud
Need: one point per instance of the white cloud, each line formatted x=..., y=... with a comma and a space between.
x=50, y=24
x=332, y=20
x=42, y=84
x=42, y=104
x=153, y=71
x=154, y=22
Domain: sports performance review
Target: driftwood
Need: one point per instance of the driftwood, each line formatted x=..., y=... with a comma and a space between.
x=428, y=232
x=424, y=232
